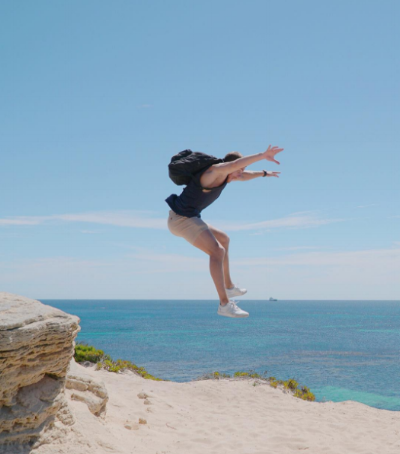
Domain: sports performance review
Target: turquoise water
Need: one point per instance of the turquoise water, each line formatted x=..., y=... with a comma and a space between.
x=341, y=350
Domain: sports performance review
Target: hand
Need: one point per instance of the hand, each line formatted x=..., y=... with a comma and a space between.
x=272, y=174
x=269, y=155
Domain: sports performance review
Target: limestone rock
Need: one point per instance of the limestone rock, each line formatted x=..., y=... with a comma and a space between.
x=36, y=347
x=87, y=388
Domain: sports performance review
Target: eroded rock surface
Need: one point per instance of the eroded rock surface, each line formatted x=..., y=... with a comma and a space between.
x=87, y=388
x=36, y=347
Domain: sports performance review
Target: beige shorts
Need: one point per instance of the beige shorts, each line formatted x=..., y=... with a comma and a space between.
x=188, y=228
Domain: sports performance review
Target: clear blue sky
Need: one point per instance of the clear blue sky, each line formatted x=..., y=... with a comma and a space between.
x=97, y=96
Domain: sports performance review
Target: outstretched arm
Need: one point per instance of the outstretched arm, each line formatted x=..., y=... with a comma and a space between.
x=230, y=167
x=248, y=175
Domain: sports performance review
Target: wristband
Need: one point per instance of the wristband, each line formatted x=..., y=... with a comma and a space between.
x=265, y=173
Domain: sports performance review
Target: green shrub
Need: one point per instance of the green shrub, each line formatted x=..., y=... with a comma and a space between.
x=298, y=393
x=121, y=365
x=250, y=374
x=241, y=374
x=84, y=352
x=304, y=395
x=290, y=384
x=213, y=376
x=308, y=396
x=255, y=375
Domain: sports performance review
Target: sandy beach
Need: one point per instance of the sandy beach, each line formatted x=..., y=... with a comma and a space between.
x=218, y=417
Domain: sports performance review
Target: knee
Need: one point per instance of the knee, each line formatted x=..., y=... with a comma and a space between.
x=218, y=252
x=225, y=241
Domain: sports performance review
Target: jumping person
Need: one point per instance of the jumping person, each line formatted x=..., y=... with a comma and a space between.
x=184, y=218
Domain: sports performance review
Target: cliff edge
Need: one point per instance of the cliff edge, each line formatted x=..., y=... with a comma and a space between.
x=36, y=347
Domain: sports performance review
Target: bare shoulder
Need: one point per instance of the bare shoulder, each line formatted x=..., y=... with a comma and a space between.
x=213, y=176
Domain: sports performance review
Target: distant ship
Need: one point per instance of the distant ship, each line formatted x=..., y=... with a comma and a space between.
x=273, y=299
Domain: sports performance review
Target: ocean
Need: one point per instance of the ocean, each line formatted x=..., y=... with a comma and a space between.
x=341, y=350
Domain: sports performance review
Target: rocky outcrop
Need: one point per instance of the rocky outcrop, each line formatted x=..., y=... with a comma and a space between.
x=87, y=388
x=36, y=347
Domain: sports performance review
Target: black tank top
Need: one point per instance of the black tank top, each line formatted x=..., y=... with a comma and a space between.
x=194, y=197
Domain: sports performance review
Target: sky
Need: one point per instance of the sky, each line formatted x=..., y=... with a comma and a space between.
x=97, y=96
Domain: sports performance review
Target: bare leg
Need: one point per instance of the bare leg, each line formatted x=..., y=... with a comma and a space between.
x=228, y=280
x=224, y=240
x=208, y=244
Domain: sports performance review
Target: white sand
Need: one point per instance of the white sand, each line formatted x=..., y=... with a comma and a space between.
x=226, y=416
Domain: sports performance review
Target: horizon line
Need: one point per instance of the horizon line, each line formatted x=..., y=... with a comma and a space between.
x=214, y=300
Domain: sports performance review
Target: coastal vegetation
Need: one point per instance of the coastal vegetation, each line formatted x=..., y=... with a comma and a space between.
x=290, y=385
x=84, y=352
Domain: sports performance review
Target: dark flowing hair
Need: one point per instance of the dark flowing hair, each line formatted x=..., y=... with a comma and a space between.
x=232, y=156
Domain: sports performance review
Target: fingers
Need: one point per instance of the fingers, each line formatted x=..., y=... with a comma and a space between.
x=271, y=152
x=273, y=174
x=274, y=150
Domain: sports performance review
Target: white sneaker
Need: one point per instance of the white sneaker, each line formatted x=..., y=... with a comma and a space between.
x=232, y=310
x=235, y=291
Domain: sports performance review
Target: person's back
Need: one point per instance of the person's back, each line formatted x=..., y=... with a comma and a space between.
x=194, y=198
